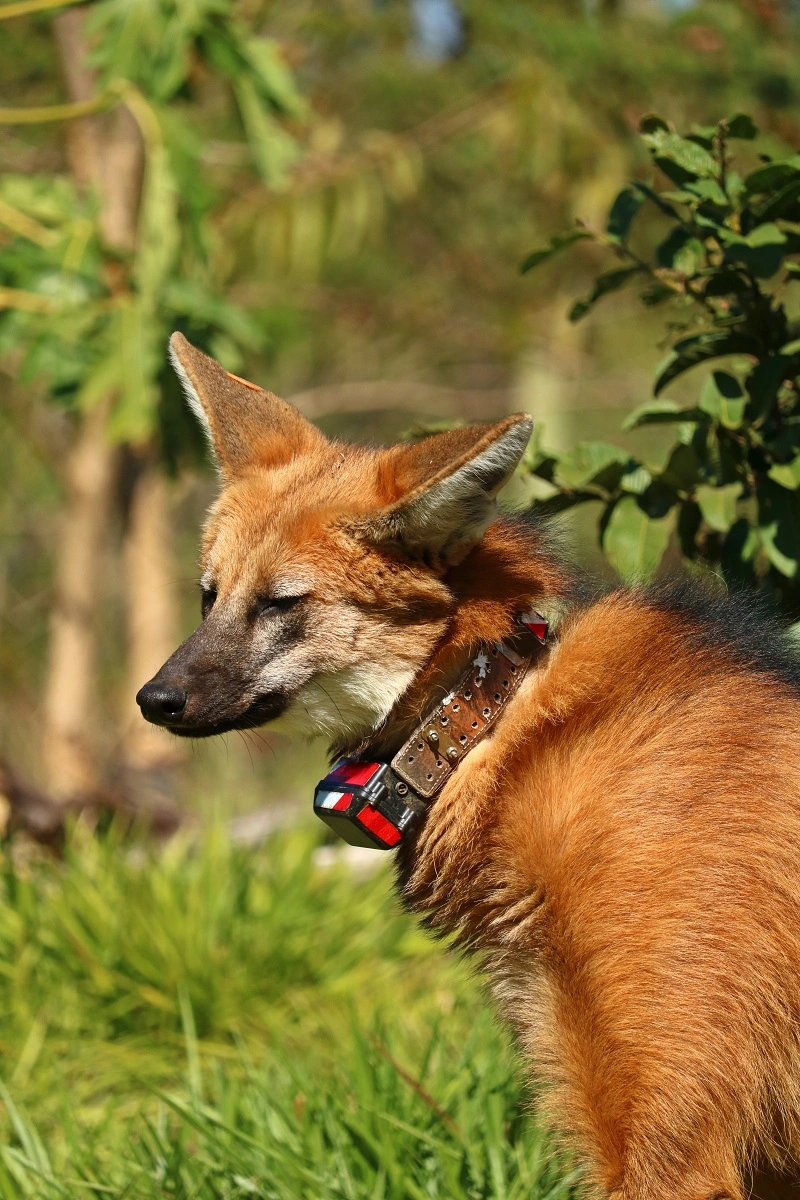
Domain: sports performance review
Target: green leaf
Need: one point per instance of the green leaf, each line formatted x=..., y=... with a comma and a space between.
x=652, y=123
x=623, y=210
x=763, y=384
x=636, y=481
x=682, y=469
x=742, y=126
x=611, y=281
x=704, y=134
x=761, y=251
x=274, y=150
x=767, y=535
x=787, y=474
x=690, y=257
x=586, y=461
x=558, y=243
x=734, y=186
x=269, y=67
x=689, y=352
x=779, y=525
x=774, y=174
x=679, y=196
x=724, y=399
x=783, y=203
x=660, y=412
x=709, y=189
x=766, y=235
x=633, y=542
x=718, y=504
x=674, y=244
x=691, y=158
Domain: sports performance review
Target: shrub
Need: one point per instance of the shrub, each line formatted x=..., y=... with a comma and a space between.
x=726, y=260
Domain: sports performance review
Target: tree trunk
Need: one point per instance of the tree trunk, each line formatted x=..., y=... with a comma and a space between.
x=149, y=756
x=70, y=690
x=105, y=154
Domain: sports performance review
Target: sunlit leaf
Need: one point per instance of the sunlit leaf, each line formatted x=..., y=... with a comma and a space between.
x=660, y=412
x=724, y=399
x=709, y=189
x=633, y=542
x=761, y=252
x=718, y=504
x=691, y=158
x=779, y=525
x=586, y=460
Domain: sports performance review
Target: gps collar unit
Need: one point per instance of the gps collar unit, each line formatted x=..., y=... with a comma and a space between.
x=378, y=804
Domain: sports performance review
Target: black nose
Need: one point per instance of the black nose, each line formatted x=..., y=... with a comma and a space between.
x=161, y=703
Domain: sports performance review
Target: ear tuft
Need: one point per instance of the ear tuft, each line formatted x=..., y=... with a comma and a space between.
x=245, y=425
x=179, y=351
x=454, y=480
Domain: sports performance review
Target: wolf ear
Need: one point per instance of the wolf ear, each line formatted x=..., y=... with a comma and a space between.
x=245, y=425
x=448, y=484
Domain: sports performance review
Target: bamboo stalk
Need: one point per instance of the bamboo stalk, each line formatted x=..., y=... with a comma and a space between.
x=7, y=11
x=58, y=112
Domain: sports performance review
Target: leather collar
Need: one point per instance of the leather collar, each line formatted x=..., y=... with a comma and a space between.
x=378, y=804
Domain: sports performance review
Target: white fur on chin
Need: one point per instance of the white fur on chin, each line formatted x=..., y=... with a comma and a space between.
x=347, y=703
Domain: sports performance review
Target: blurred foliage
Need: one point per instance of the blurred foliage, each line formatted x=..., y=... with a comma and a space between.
x=380, y=244
x=725, y=259
x=87, y=319
x=212, y=1022
x=301, y=165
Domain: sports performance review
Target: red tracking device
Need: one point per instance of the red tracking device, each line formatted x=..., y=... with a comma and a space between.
x=536, y=624
x=360, y=802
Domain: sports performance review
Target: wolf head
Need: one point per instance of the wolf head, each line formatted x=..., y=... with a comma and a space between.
x=326, y=568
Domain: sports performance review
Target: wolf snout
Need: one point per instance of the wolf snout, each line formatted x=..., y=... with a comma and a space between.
x=162, y=703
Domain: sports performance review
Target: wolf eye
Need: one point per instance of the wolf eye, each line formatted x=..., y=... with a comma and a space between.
x=207, y=598
x=267, y=605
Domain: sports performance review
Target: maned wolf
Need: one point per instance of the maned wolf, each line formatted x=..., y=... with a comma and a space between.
x=612, y=818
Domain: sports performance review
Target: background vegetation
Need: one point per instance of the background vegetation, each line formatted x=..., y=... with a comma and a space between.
x=335, y=198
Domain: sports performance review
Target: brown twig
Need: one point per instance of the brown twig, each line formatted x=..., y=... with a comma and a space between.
x=422, y=1092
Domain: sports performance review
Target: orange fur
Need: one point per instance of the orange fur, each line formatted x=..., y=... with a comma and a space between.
x=628, y=863
x=622, y=851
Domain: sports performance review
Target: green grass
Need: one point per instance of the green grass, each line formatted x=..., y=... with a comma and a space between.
x=200, y=1022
